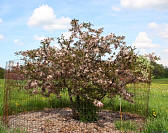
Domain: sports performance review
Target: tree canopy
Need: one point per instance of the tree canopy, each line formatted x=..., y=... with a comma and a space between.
x=80, y=65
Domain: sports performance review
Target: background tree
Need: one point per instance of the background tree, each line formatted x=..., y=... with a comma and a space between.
x=2, y=72
x=159, y=71
x=90, y=65
x=166, y=72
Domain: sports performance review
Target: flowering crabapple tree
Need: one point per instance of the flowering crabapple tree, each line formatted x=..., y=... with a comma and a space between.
x=90, y=65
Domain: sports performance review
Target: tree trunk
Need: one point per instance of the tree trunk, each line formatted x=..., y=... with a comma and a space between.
x=75, y=113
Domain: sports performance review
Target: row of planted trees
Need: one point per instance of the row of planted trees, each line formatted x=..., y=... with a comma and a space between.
x=89, y=65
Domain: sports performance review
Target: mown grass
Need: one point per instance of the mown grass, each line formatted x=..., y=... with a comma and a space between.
x=157, y=120
x=126, y=126
x=140, y=101
x=22, y=101
x=1, y=94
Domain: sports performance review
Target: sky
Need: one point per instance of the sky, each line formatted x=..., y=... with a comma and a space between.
x=23, y=23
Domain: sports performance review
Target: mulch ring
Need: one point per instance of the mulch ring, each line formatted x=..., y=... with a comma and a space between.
x=61, y=121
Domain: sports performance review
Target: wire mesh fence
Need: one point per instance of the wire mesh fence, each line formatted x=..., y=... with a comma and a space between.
x=36, y=113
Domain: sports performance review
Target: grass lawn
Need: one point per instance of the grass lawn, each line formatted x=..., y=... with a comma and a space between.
x=1, y=94
x=157, y=120
x=22, y=101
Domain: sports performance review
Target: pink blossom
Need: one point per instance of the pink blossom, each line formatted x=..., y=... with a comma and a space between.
x=98, y=103
x=33, y=84
x=49, y=77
